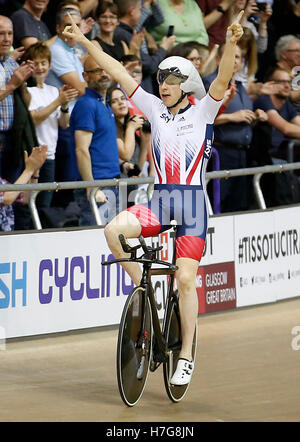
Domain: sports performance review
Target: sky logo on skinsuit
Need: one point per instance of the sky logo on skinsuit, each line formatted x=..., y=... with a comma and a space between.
x=165, y=117
x=208, y=140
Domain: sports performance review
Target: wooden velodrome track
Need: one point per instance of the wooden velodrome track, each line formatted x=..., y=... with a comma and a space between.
x=246, y=370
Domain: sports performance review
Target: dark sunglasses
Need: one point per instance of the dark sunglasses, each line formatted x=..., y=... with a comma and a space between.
x=170, y=77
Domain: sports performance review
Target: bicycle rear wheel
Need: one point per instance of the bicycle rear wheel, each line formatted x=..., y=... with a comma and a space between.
x=173, y=338
x=134, y=346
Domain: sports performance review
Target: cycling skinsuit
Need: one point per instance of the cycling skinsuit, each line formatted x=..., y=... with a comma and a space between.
x=181, y=148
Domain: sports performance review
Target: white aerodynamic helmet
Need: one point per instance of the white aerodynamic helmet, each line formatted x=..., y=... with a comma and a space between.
x=179, y=70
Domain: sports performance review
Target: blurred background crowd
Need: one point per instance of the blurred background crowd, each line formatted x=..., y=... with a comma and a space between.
x=53, y=94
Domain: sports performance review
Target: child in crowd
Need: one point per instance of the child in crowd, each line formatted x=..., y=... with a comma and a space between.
x=48, y=108
x=133, y=66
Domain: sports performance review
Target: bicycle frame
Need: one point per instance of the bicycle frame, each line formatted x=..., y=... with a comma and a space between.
x=147, y=260
x=143, y=343
x=159, y=332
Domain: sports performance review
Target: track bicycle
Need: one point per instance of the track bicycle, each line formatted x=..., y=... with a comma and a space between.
x=143, y=343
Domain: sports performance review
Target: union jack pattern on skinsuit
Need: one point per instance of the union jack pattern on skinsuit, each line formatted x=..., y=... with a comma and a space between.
x=181, y=148
x=181, y=144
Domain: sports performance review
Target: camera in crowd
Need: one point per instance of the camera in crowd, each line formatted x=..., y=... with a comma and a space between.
x=135, y=171
x=261, y=6
x=146, y=126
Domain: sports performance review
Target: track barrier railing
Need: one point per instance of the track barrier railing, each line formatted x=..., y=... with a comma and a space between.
x=257, y=173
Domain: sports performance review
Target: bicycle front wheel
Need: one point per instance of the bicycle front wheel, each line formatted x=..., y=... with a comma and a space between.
x=173, y=339
x=134, y=346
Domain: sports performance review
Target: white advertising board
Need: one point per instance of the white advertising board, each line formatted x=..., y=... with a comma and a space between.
x=219, y=241
x=267, y=256
x=253, y=259
x=52, y=282
x=286, y=240
x=55, y=282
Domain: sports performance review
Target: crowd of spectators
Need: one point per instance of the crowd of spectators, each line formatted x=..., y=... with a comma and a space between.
x=53, y=94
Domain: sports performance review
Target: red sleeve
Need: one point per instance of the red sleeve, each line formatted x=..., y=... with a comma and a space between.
x=222, y=109
x=191, y=99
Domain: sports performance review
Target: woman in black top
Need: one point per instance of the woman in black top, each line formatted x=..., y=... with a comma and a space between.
x=107, y=17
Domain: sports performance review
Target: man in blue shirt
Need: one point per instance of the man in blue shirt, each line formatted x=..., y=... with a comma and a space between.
x=66, y=66
x=66, y=69
x=283, y=117
x=232, y=138
x=94, y=137
x=283, y=125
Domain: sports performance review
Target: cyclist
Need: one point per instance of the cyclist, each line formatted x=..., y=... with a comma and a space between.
x=181, y=143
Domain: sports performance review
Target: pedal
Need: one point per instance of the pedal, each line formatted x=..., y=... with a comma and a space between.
x=154, y=365
x=160, y=357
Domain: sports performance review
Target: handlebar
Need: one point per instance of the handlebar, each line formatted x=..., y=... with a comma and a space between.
x=149, y=256
x=126, y=247
x=132, y=249
x=142, y=261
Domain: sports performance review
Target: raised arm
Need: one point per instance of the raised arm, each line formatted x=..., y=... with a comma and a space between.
x=105, y=61
x=219, y=85
x=33, y=163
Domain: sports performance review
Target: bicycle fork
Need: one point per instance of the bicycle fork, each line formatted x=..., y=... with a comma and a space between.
x=144, y=339
x=159, y=344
